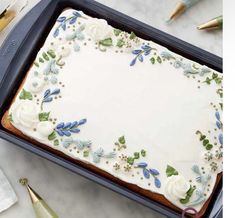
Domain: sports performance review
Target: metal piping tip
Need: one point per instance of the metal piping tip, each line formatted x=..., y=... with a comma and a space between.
x=179, y=9
x=33, y=195
x=41, y=208
x=213, y=24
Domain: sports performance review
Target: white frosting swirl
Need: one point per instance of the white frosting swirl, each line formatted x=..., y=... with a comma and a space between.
x=99, y=29
x=36, y=84
x=45, y=128
x=25, y=113
x=176, y=187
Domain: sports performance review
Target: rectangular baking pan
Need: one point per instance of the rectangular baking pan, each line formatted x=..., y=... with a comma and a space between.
x=20, y=49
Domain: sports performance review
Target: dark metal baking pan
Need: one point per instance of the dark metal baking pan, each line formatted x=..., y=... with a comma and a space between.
x=20, y=49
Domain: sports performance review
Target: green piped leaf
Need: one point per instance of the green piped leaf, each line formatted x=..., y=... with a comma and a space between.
x=56, y=142
x=52, y=136
x=41, y=60
x=26, y=95
x=130, y=160
x=221, y=105
x=159, y=60
x=143, y=153
x=188, y=196
x=152, y=60
x=205, y=142
x=202, y=137
x=136, y=155
x=120, y=43
x=117, y=32
x=209, y=146
x=170, y=171
x=36, y=63
x=44, y=116
x=106, y=42
x=51, y=53
x=85, y=153
x=132, y=35
x=45, y=56
x=122, y=140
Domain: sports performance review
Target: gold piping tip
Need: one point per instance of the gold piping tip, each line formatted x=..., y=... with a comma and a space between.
x=33, y=195
x=179, y=9
x=213, y=24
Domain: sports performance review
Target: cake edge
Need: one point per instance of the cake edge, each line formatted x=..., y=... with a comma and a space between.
x=146, y=193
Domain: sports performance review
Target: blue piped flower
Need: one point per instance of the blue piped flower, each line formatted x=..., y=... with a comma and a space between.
x=77, y=14
x=145, y=49
x=63, y=22
x=221, y=138
x=48, y=95
x=154, y=172
x=204, y=70
x=51, y=68
x=150, y=172
x=82, y=144
x=217, y=115
x=146, y=173
x=66, y=129
x=177, y=64
x=136, y=52
x=142, y=164
x=218, y=124
x=196, y=169
x=61, y=19
x=97, y=155
x=67, y=142
x=167, y=55
x=157, y=182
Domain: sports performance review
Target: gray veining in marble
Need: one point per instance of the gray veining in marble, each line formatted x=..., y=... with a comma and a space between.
x=67, y=193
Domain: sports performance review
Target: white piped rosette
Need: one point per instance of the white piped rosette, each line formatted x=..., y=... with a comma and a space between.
x=25, y=113
x=176, y=188
x=98, y=29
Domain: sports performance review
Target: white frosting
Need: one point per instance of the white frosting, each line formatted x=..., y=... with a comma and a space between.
x=25, y=113
x=176, y=187
x=155, y=106
x=98, y=29
x=56, y=43
x=63, y=50
x=45, y=127
x=36, y=85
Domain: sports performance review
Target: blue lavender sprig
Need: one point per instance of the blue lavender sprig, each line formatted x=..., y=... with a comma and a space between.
x=219, y=124
x=147, y=172
x=145, y=50
x=63, y=22
x=66, y=129
x=48, y=95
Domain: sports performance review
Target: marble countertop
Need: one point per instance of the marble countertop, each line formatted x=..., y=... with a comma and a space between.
x=67, y=193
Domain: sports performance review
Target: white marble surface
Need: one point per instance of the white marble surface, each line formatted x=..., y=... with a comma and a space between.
x=69, y=194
